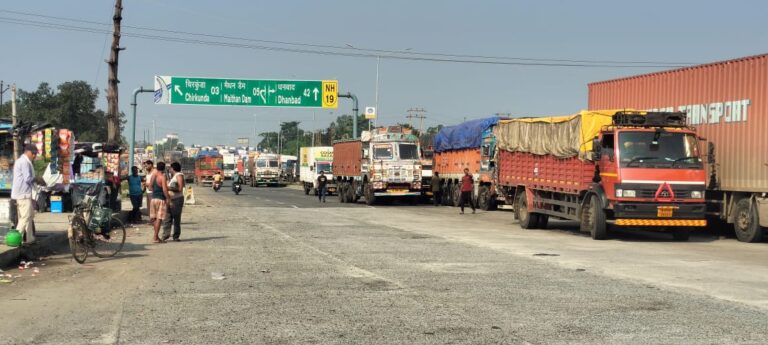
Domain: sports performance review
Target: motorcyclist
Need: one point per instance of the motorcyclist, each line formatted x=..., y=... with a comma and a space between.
x=217, y=178
x=236, y=178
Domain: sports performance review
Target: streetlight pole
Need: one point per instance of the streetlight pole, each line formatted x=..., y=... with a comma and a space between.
x=376, y=101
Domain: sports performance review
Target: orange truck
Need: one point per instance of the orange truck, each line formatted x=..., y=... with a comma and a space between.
x=469, y=145
x=608, y=170
x=383, y=164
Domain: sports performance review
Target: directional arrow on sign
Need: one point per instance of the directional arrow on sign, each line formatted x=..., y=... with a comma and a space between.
x=315, y=91
x=177, y=88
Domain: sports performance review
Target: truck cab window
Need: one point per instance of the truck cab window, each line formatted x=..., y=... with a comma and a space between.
x=408, y=151
x=382, y=152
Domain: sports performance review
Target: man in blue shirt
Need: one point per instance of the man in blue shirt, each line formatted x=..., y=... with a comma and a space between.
x=136, y=192
x=21, y=191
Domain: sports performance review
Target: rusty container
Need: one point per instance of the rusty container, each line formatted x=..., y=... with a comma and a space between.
x=726, y=101
x=348, y=158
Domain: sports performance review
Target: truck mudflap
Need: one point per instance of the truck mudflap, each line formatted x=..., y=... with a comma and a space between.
x=659, y=214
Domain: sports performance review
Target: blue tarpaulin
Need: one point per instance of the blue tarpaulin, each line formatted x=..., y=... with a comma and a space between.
x=465, y=135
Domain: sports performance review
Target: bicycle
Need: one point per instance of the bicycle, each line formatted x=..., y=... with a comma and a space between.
x=90, y=232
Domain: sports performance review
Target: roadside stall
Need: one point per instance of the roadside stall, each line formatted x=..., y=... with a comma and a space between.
x=97, y=162
x=54, y=165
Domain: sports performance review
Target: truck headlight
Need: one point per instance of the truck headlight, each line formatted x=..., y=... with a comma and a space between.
x=626, y=193
x=697, y=194
x=377, y=177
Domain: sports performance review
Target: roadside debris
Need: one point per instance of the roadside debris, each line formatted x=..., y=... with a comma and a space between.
x=217, y=276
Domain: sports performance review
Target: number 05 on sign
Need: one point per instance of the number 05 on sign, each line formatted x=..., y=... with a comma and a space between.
x=247, y=92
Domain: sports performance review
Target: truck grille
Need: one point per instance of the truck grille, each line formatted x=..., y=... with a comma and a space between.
x=651, y=193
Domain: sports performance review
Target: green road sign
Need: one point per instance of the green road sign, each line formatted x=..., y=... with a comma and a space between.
x=243, y=92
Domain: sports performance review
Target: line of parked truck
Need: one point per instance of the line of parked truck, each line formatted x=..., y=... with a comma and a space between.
x=689, y=157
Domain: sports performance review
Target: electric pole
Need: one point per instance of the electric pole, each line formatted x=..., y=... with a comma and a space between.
x=16, y=143
x=113, y=110
x=3, y=89
x=419, y=114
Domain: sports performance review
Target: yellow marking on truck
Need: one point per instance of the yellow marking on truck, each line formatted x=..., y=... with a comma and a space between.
x=609, y=174
x=661, y=222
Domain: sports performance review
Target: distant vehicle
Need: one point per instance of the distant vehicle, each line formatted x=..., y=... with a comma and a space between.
x=313, y=161
x=265, y=170
x=288, y=168
x=207, y=164
x=230, y=164
x=383, y=163
x=188, y=168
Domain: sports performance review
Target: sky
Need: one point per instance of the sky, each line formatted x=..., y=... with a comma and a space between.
x=681, y=32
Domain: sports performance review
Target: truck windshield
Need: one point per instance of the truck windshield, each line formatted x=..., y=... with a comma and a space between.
x=409, y=151
x=274, y=164
x=324, y=167
x=659, y=149
x=382, y=151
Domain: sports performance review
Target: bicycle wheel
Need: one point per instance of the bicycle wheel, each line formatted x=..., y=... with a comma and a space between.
x=78, y=242
x=109, y=242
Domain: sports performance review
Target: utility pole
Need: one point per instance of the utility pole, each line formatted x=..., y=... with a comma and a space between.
x=13, y=122
x=113, y=109
x=3, y=89
x=314, y=128
x=297, y=139
x=419, y=114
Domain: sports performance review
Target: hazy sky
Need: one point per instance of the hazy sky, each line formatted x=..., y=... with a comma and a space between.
x=663, y=31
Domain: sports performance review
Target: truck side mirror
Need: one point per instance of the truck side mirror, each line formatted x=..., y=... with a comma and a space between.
x=365, y=153
x=311, y=168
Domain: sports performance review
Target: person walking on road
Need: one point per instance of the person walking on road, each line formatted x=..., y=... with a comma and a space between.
x=176, y=191
x=160, y=199
x=467, y=184
x=436, y=188
x=149, y=169
x=21, y=191
x=136, y=193
x=322, y=183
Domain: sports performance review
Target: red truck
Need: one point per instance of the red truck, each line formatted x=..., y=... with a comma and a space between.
x=207, y=164
x=468, y=145
x=605, y=169
x=383, y=163
x=727, y=103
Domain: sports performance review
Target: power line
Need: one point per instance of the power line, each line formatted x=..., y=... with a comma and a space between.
x=344, y=50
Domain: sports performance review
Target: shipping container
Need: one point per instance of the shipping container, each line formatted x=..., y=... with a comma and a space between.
x=727, y=103
x=348, y=158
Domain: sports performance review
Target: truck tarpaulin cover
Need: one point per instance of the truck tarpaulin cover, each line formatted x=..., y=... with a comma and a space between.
x=560, y=136
x=463, y=136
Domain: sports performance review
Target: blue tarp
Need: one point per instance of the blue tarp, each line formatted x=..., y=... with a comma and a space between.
x=207, y=153
x=465, y=135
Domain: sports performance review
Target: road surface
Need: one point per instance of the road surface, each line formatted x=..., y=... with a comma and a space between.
x=273, y=266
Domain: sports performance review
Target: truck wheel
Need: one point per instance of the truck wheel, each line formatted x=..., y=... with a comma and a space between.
x=483, y=199
x=527, y=219
x=306, y=189
x=746, y=224
x=593, y=219
x=370, y=199
x=313, y=191
x=543, y=221
x=350, y=191
x=681, y=234
x=455, y=195
x=445, y=195
x=340, y=192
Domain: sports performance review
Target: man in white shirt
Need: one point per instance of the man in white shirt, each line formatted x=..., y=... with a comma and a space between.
x=21, y=191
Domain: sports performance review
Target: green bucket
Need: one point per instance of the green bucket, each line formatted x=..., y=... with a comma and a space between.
x=13, y=238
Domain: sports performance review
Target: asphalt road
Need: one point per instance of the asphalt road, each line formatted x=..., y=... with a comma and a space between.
x=273, y=266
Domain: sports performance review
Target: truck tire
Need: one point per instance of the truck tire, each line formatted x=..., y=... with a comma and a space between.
x=681, y=234
x=350, y=192
x=593, y=219
x=483, y=198
x=306, y=189
x=455, y=195
x=340, y=191
x=745, y=222
x=528, y=220
x=370, y=199
x=445, y=195
x=543, y=221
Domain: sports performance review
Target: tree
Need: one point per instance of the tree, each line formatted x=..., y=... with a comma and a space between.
x=71, y=106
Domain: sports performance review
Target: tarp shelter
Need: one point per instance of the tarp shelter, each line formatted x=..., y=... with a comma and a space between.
x=560, y=136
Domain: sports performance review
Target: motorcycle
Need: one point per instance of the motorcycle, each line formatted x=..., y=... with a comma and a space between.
x=216, y=186
x=237, y=187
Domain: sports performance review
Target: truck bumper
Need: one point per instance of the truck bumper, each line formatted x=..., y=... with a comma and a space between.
x=659, y=214
x=397, y=193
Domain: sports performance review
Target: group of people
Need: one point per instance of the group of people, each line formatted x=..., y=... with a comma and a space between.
x=164, y=196
x=466, y=187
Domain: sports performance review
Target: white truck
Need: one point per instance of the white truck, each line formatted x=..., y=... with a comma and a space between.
x=230, y=164
x=313, y=161
x=266, y=170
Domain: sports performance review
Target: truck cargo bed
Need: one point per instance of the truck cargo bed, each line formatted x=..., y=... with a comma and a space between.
x=567, y=175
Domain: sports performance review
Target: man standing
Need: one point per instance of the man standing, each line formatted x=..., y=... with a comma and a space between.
x=467, y=185
x=435, y=184
x=161, y=199
x=21, y=191
x=322, y=182
x=135, y=191
x=149, y=170
x=176, y=190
